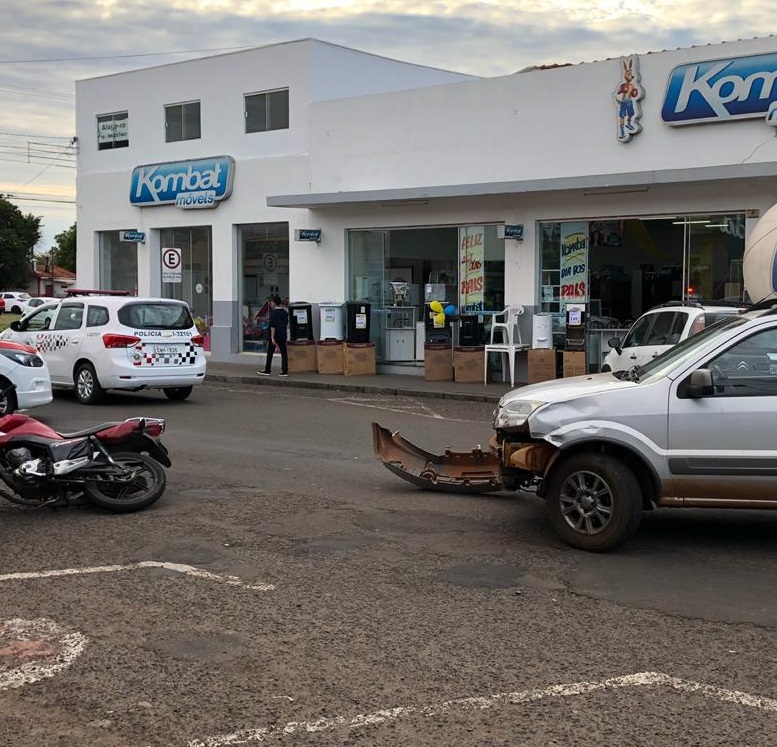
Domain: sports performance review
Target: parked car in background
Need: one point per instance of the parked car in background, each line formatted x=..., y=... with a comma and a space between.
x=2, y=305
x=94, y=343
x=21, y=367
x=34, y=302
x=14, y=300
x=660, y=328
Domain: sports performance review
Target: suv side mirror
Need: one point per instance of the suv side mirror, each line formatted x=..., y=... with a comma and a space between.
x=15, y=326
x=700, y=384
x=615, y=344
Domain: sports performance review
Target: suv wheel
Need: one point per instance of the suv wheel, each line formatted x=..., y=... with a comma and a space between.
x=593, y=502
x=88, y=389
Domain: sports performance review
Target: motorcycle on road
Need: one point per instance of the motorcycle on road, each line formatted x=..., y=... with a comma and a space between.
x=117, y=466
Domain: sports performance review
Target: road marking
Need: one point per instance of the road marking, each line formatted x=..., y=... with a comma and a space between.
x=642, y=679
x=41, y=646
x=187, y=570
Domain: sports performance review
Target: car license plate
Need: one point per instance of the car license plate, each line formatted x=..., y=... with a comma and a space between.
x=166, y=349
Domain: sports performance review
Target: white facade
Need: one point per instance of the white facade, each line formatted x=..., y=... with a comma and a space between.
x=378, y=144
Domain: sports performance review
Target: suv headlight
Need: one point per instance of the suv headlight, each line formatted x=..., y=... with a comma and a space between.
x=23, y=358
x=514, y=413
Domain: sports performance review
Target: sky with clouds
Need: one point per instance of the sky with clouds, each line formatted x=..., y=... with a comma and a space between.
x=46, y=45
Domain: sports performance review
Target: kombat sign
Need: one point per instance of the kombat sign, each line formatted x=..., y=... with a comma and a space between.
x=720, y=90
x=200, y=183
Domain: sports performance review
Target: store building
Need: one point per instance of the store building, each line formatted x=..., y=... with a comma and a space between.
x=326, y=174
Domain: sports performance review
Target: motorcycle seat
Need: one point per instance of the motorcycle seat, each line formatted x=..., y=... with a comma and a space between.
x=91, y=430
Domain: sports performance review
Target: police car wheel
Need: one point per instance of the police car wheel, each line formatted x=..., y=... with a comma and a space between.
x=7, y=398
x=177, y=393
x=88, y=389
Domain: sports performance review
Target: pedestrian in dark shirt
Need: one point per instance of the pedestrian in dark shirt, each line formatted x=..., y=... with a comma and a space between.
x=279, y=322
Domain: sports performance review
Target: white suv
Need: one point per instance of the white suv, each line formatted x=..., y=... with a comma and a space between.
x=659, y=329
x=106, y=342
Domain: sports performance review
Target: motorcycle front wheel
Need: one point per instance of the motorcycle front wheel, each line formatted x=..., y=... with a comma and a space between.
x=141, y=482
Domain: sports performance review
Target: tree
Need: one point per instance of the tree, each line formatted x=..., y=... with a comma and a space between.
x=66, y=248
x=18, y=235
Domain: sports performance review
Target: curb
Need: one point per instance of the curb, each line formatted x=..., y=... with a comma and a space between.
x=359, y=388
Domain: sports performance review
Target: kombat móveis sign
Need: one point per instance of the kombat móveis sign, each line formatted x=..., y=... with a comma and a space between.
x=721, y=90
x=200, y=183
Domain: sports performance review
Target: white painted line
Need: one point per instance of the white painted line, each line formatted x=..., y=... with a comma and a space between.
x=261, y=734
x=188, y=570
x=19, y=639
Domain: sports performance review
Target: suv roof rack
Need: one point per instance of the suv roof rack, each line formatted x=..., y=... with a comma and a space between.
x=701, y=304
x=70, y=292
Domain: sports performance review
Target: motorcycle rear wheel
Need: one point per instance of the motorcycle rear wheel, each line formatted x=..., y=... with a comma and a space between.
x=120, y=494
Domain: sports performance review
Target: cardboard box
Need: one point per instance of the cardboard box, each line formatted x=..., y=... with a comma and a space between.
x=438, y=361
x=329, y=354
x=302, y=356
x=468, y=362
x=359, y=358
x=541, y=364
x=574, y=363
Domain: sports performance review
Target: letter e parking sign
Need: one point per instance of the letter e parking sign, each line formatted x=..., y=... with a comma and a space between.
x=171, y=265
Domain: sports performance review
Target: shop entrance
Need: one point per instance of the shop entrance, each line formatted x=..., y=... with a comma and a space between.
x=401, y=271
x=194, y=286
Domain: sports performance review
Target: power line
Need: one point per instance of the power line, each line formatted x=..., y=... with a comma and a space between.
x=39, y=92
x=21, y=197
x=121, y=56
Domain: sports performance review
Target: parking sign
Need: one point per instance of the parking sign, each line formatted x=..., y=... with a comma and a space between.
x=171, y=265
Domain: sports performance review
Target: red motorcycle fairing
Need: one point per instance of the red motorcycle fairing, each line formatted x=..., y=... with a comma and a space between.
x=18, y=424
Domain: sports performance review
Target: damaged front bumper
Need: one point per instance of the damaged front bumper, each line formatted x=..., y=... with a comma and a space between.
x=507, y=466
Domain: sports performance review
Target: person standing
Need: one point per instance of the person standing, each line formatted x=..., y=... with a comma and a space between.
x=279, y=322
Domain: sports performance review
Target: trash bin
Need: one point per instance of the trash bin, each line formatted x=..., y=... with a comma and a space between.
x=300, y=321
x=332, y=319
x=357, y=326
x=471, y=330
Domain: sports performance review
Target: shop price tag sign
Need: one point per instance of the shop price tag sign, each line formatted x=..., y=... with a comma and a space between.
x=171, y=265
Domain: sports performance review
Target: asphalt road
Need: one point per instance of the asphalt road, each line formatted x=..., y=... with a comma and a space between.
x=288, y=589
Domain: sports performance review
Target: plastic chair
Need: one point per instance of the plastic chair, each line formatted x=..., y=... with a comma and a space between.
x=505, y=339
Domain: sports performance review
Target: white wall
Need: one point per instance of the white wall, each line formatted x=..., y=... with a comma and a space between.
x=541, y=124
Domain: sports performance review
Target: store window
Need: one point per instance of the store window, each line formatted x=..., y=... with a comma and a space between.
x=193, y=284
x=620, y=268
x=400, y=272
x=117, y=262
x=267, y=111
x=182, y=122
x=264, y=249
x=112, y=131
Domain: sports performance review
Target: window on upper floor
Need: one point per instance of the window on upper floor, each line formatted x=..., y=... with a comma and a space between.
x=112, y=131
x=267, y=111
x=182, y=122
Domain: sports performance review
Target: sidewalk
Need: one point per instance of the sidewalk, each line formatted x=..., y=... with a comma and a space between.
x=396, y=384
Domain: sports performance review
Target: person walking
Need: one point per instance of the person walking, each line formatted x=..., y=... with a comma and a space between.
x=279, y=322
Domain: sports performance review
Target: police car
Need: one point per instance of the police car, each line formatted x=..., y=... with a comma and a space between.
x=94, y=343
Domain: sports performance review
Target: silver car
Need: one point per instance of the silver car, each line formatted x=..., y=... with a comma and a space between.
x=692, y=428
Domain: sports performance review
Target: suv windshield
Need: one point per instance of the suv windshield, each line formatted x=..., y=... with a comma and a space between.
x=156, y=315
x=669, y=358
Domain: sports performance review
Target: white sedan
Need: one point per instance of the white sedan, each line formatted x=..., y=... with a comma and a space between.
x=24, y=378
x=32, y=303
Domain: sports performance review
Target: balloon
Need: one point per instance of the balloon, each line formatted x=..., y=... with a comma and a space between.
x=450, y=309
x=439, y=319
x=435, y=306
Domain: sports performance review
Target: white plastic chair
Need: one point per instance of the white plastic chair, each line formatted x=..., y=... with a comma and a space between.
x=505, y=339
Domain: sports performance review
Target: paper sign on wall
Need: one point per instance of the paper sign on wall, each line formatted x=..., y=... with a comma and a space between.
x=471, y=268
x=574, y=262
